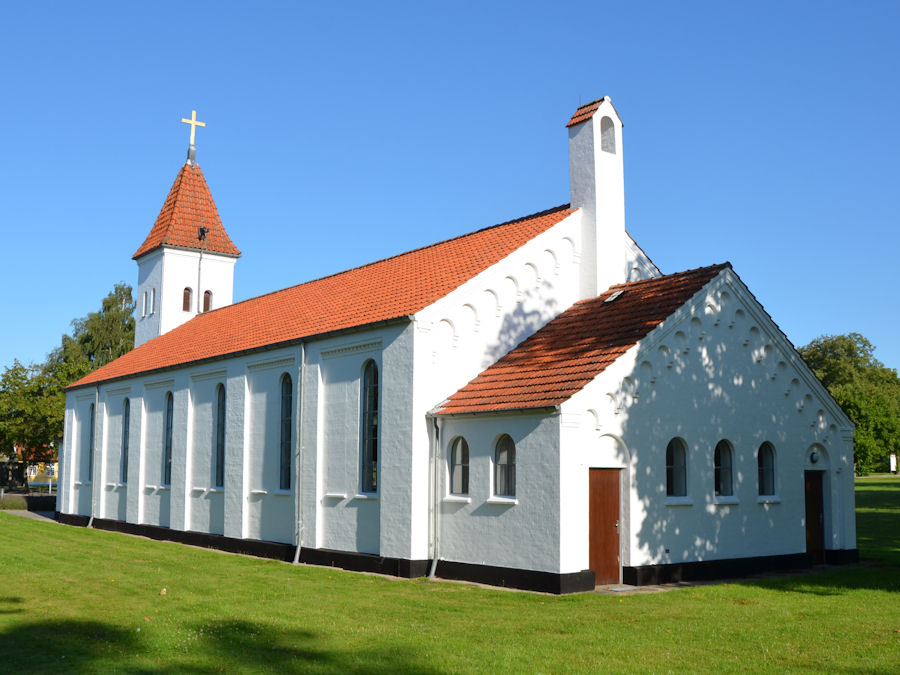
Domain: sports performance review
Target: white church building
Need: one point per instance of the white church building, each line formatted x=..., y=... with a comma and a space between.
x=532, y=405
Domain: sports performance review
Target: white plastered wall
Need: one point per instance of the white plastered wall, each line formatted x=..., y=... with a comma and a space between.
x=169, y=271
x=480, y=528
x=717, y=369
x=337, y=514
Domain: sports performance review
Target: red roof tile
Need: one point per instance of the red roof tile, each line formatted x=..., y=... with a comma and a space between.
x=584, y=112
x=380, y=291
x=188, y=207
x=566, y=354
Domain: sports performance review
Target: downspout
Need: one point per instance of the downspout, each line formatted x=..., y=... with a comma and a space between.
x=436, y=499
x=299, y=472
x=94, y=445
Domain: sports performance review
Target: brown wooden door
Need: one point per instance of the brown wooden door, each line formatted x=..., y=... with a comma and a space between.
x=815, y=517
x=604, y=525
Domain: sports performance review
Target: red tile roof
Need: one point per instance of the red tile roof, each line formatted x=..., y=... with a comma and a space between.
x=388, y=289
x=585, y=112
x=188, y=207
x=566, y=354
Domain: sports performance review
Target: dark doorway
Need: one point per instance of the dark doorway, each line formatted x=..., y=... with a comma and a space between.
x=604, y=525
x=815, y=517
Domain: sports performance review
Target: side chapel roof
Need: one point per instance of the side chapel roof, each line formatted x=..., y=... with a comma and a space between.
x=392, y=288
x=561, y=358
x=188, y=207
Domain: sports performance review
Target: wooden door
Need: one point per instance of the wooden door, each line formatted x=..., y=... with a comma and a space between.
x=604, y=525
x=815, y=517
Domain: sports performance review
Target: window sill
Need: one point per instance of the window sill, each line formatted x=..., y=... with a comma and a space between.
x=679, y=501
x=727, y=501
x=768, y=499
x=282, y=493
x=457, y=499
x=259, y=493
x=337, y=496
x=366, y=495
x=115, y=486
x=216, y=490
x=503, y=501
x=164, y=488
x=78, y=482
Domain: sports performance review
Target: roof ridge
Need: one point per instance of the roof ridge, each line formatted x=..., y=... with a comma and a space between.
x=538, y=214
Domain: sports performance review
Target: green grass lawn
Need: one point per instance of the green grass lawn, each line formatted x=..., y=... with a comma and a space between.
x=74, y=599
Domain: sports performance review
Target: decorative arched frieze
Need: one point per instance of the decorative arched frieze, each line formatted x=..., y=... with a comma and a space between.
x=550, y=263
x=493, y=299
x=531, y=277
x=468, y=319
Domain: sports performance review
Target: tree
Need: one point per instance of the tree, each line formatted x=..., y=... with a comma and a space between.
x=867, y=391
x=32, y=397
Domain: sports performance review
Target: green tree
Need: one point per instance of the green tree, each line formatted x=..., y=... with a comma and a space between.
x=867, y=391
x=32, y=397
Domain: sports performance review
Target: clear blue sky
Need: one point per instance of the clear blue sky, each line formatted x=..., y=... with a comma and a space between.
x=762, y=133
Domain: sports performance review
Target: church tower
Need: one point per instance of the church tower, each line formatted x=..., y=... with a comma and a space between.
x=186, y=263
x=597, y=187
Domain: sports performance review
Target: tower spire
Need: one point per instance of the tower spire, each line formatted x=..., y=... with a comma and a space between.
x=192, y=151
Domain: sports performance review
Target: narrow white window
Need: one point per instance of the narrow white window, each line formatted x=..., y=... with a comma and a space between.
x=368, y=446
x=766, y=463
x=607, y=135
x=505, y=467
x=723, y=463
x=459, y=467
x=676, y=468
x=126, y=425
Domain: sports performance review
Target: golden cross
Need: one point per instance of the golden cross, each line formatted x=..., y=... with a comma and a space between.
x=194, y=124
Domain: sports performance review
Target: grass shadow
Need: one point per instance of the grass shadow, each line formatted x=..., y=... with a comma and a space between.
x=209, y=647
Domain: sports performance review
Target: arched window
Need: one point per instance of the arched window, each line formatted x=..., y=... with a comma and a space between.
x=459, y=467
x=90, y=448
x=765, y=459
x=167, y=440
x=186, y=298
x=723, y=463
x=368, y=447
x=126, y=425
x=144, y=305
x=207, y=301
x=505, y=467
x=676, y=468
x=287, y=392
x=152, y=300
x=607, y=135
x=220, y=436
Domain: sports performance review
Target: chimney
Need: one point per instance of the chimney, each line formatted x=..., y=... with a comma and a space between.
x=597, y=187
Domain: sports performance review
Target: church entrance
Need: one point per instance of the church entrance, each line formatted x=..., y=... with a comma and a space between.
x=603, y=518
x=815, y=517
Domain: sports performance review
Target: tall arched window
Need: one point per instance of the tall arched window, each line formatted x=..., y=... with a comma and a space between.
x=220, y=436
x=723, y=463
x=676, y=468
x=287, y=390
x=607, y=135
x=459, y=467
x=186, y=298
x=505, y=467
x=368, y=447
x=207, y=301
x=144, y=305
x=765, y=459
x=152, y=300
x=90, y=448
x=167, y=440
x=126, y=425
